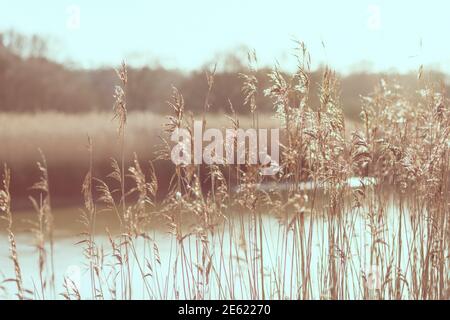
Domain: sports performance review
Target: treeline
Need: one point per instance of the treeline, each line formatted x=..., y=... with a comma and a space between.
x=29, y=81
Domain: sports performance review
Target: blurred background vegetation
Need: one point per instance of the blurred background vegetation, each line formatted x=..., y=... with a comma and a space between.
x=31, y=82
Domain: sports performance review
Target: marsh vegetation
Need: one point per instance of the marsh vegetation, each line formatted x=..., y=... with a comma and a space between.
x=227, y=232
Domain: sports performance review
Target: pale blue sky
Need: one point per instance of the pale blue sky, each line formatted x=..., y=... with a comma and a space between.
x=186, y=34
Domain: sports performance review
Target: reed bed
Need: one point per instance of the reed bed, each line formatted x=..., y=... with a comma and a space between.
x=235, y=239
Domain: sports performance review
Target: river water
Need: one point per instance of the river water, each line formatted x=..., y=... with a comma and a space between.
x=349, y=241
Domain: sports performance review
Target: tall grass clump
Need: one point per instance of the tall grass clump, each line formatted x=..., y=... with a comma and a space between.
x=361, y=214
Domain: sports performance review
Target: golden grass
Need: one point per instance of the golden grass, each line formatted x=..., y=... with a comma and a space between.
x=219, y=249
x=62, y=137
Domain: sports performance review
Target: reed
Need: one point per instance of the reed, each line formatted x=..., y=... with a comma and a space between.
x=229, y=237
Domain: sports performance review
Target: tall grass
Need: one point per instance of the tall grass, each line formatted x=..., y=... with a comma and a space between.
x=382, y=240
